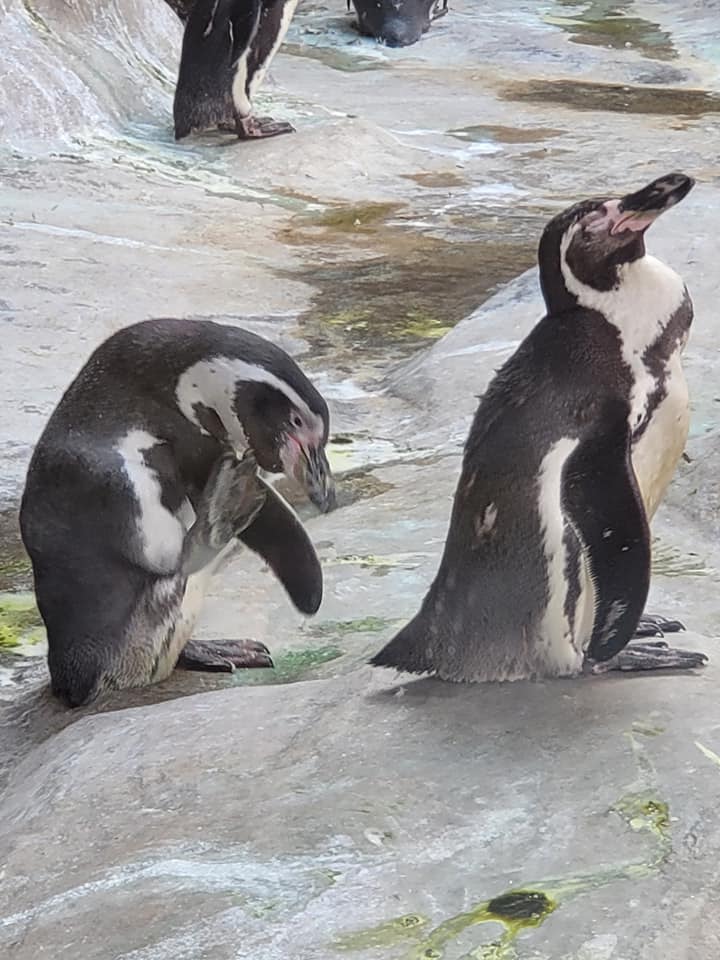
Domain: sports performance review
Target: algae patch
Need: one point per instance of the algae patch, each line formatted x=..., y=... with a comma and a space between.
x=615, y=97
x=607, y=23
x=20, y=620
x=290, y=666
x=516, y=910
x=397, y=930
x=343, y=628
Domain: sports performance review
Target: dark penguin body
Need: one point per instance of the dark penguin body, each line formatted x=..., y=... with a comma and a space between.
x=546, y=566
x=143, y=482
x=397, y=23
x=181, y=7
x=227, y=48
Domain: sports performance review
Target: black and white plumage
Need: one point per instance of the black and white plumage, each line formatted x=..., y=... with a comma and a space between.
x=546, y=566
x=227, y=48
x=397, y=23
x=143, y=482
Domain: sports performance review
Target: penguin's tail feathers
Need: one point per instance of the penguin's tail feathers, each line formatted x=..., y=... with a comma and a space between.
x=409, y=650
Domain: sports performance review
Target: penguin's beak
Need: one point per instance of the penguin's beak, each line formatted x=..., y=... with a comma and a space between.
x=308, y=465
x=635, y=212
x=317, y=478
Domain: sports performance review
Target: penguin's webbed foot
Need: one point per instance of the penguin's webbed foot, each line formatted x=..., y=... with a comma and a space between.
x=654, y=626
x=256, y=128
x=224, y=656
x=653, y=655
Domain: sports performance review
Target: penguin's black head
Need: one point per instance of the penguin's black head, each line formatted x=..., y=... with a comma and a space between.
x=397, y=23
x=286, y=424
x=588, y=244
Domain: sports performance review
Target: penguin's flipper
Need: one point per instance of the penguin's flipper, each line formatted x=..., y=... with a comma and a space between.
x=278, y=536
x=602, y=499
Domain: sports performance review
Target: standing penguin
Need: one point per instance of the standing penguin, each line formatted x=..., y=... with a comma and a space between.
x=140, y=486
x=546, y=567
x=227, y=48
x=397, y=23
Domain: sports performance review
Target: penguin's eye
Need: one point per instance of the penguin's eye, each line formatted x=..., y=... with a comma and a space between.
x=296, y=421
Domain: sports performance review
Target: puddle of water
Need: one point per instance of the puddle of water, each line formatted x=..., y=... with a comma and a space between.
x=614, y=97
x=502, y=134
x=610, y=23
x=436, y=179
x=410, y=288
x=337, y=59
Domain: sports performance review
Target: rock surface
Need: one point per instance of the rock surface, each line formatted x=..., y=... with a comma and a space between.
x=324, y=809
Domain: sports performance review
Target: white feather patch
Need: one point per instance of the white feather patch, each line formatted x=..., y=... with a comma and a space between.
x=160, y=533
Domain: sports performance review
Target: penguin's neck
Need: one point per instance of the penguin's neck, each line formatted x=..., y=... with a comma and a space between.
x=647, y=295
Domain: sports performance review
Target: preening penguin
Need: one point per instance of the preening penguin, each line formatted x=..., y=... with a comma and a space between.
x=397, y=23
x=143, y=481
x=227, y=48
x=546, y=566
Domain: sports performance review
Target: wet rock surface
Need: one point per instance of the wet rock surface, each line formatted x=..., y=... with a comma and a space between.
x=324, y=809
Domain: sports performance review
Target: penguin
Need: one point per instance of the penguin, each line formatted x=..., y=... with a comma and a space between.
x=227, y=48
x=181, y=7
x=397, y=23
x=143, y=483
x=546, y=567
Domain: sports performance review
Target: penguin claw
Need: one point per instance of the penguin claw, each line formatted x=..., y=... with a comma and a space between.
x=651, y=625
x=256, y=128
x=650, y=656
x=224, y=656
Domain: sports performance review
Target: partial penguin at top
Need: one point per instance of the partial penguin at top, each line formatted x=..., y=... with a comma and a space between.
x=546, y=565
x=397, y=23
x=227, y=48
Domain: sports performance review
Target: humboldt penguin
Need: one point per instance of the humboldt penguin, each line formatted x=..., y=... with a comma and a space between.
x=546, y=566
x=397, y=23
x=227, y=48
x=143, y=482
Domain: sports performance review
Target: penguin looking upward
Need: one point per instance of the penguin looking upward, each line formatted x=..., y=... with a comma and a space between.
x=227, y=48
x=142, y=483
x=546, y=566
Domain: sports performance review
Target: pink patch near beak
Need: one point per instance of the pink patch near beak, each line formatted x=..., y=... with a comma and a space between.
x=615, y=220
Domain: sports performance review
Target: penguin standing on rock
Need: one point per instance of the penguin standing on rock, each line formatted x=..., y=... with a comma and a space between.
x=227, y=48
x=141, y=485
x=546, y=566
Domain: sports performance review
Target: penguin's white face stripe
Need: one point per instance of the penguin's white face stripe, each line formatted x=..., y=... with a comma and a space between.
x=259, y=75
x=560, y=649
x=213, y=383
x=647, y=296
x=159, y=533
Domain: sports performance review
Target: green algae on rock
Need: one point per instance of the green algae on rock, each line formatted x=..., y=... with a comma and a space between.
x=289, y=666
x=20, y=620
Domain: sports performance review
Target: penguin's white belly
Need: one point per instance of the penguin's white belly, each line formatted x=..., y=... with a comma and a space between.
x=656, y=454
x=562, y=638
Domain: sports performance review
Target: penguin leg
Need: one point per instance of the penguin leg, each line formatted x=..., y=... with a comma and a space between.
x=654, y=655
x=232, y=499
x=257, y=128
